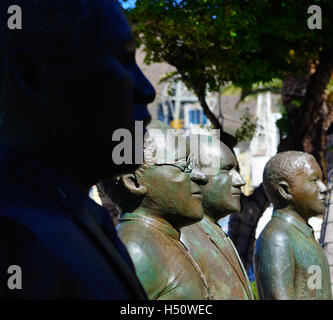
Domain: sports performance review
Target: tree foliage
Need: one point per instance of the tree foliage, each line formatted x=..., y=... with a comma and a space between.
x=228, y=40
x=213, y=42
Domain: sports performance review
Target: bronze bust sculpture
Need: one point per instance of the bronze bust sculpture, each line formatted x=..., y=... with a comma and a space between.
x=156, y=201
x=289, y=262
x=68, y=81
x=206, y=241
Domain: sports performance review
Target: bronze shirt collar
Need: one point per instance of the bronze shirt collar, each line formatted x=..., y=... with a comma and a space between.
x=302, y=227
x=158, y=224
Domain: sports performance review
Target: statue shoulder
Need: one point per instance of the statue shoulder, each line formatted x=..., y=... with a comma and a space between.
x=150, y=258
x=142, y=241
x=275, y=233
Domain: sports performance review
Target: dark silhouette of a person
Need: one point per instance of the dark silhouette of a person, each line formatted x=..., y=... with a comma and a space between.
x=68, y=80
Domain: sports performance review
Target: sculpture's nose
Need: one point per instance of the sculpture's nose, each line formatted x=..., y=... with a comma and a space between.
x=322, y=187
x=198, y=176
x=237, y=179
x=144, y=90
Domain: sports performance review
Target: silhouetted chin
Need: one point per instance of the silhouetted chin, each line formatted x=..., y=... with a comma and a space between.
x=88, y=165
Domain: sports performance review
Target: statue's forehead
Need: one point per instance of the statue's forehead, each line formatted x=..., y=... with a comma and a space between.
x=214, y=153
x=311, y=167
x=111, y=24
x=170, y=146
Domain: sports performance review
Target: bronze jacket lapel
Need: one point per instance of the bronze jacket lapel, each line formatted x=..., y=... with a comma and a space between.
x=220, y=240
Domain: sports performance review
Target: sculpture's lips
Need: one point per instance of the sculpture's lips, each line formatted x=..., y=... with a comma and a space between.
x=197, y=194
x=322, y=199
x=236, y=193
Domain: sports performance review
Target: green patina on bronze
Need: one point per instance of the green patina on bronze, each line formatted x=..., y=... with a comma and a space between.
x=164, y=196
x=206, y=241
x=289, y=262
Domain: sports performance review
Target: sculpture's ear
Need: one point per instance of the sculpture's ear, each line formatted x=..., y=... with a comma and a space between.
x=132, y=184
x=284, y=190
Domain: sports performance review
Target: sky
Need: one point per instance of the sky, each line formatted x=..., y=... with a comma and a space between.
x=128, y=3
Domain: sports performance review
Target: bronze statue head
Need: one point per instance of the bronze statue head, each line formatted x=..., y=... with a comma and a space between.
x=221, y=195
x=166, y=185
x=293, y=180
x=68, y=80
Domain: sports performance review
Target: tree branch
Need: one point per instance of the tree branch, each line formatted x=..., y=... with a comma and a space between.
x=225, y=137
x=311, y=105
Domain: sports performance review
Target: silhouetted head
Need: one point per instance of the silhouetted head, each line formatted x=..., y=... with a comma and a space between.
x=221, y=195
x=167, y=185
x=68, y=80
x=294, y=179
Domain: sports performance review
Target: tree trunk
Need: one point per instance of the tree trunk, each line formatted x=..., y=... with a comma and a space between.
x=302, y=135
x=243, y=225
x=326, y=236
x=225, y=137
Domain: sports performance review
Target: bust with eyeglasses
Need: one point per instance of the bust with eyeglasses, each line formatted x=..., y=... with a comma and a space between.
x=155, y=202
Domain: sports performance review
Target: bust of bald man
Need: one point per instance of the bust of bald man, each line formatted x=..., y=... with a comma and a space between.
x=155, y=201
x=289, y=262
x=206, y=241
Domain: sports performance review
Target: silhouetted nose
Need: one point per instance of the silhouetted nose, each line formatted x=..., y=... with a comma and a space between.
x=144, y=94
x=144, y=90
x=198, y=177
x=149, y=92
x=237, y=180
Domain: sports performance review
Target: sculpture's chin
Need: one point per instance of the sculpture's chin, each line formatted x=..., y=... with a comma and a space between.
x=198, y=214
x=236, y=207
x=313, y=212
x=319, y=211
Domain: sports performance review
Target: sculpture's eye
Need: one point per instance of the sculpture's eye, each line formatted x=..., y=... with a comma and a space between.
x=227, y=169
